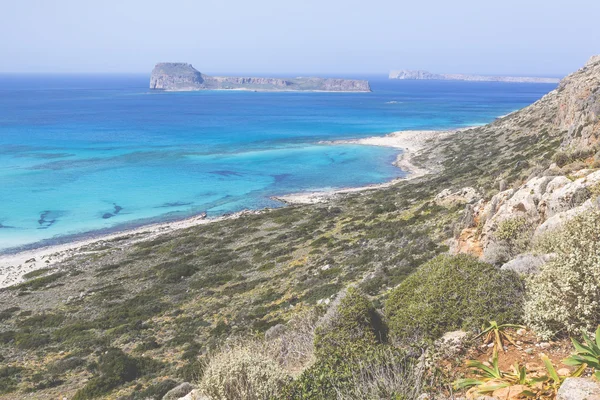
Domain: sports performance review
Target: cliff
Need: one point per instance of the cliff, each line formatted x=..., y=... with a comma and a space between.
x=184, y=77
x=424, y=75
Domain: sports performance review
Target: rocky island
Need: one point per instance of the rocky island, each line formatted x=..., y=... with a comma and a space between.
x=425, y=75
x=184, y=77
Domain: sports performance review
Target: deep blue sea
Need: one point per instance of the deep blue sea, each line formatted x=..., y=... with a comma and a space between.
x=83, y=153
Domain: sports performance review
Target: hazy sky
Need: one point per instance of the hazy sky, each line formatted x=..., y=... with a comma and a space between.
x=534, y=37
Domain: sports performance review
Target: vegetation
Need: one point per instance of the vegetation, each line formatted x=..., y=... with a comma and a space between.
x=564, y=298
x=351, y=326
x=450, y=293
x=490, y=378
x=133, y=318
x=497, y=334
x=113, y=369
x=240, y=372
x=586, y=354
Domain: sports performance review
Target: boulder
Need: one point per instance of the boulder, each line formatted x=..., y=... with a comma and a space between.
x=194, y=395
x=526, y=263
x=579, y=389
x=178, y=391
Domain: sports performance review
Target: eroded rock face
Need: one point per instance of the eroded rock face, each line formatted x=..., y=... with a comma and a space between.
x=175, y=76
x=544, y=203
x=579, y=389
x=184, y=77
x=578, y=110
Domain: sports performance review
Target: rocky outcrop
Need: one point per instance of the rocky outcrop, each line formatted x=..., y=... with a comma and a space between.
x=578, y=109
x=184, y=77
x=579, y=389
x=448, y=197
x=542, y=203
x=175, y=76
x=425, y=75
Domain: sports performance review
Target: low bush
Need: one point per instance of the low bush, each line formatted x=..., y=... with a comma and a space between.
x=453, y=292
x=114, y=369
x=243, y=372
x=350, y=325
x=564, y=298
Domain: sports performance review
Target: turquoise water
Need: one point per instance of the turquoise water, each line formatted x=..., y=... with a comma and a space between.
x=82, y=154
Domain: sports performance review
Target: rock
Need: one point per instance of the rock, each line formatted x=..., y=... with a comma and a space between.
x=184, y=77
x=178, y=391
x=545, y=345
x=579, y=389
x=526, y=263
x=510, y=393
x=557, y=220
x=529, y=351
x=449, y=198
x=452, y=343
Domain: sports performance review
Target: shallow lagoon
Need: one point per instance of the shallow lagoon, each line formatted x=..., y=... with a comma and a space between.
x=84, y=153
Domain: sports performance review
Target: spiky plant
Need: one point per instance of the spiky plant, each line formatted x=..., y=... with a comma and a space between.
x=587, y=354
x=497, y=334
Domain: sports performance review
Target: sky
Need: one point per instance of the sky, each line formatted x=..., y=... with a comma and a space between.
x=524, y=37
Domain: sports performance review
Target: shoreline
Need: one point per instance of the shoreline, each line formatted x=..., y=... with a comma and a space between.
x=14, y=265
x=410, y=142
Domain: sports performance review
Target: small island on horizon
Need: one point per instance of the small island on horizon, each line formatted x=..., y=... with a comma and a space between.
x=184, y=77
x=405, y=74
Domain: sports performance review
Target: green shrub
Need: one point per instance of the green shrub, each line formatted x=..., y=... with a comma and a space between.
x=39, y=283
x=565, y=296
x=114, y=369
x=349, y=334
x=561, y=158
x=350, y=325
x=9, y=378
x=243, y=372
x=381, y=371
x=453, y=292
x=26, y=340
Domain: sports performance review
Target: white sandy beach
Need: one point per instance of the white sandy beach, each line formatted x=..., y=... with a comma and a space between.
x=14, y=266
x=410, y=142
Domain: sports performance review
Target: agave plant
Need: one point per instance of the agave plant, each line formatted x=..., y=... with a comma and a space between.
x=492, y=378
x=546, y=387
x=496, y=333
x=587, y=354
x=488, y=378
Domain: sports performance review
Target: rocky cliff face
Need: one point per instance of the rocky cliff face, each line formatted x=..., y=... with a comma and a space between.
x=578, y=105
x=175, y=76
x=184, y=77
x=543, y=195
x=424, y=75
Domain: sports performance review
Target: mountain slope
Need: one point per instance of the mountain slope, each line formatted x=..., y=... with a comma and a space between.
x=165, y=303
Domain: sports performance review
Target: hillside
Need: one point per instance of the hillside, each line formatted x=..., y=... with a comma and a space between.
x=184, y=77
x=131, y=319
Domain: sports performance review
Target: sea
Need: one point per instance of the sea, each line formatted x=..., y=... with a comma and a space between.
x=89, y=154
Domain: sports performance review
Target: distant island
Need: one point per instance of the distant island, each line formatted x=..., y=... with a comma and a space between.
x=424, y=75
x=184, y=77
